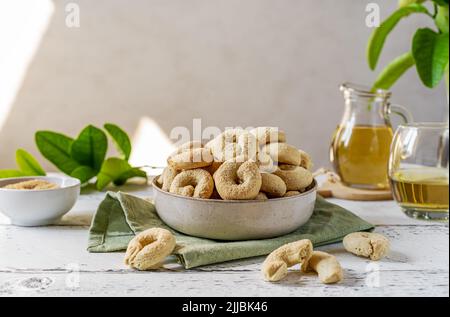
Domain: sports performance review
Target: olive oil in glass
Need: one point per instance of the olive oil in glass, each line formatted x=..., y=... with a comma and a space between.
x=419, y=168
x=421, y=188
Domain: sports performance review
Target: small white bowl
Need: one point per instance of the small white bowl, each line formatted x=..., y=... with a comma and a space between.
x=31, y=208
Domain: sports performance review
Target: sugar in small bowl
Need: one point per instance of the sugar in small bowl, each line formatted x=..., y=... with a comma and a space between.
x=37, y=200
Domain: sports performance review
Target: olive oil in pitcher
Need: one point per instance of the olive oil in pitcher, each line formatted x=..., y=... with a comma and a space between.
x=360, y=155
x=361, y=144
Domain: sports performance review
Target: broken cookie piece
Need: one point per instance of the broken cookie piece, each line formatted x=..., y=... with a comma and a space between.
x=367, y=244
x=276, y=265
x=326, y=266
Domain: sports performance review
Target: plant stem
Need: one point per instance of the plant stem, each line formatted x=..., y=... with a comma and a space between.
x=446, y=84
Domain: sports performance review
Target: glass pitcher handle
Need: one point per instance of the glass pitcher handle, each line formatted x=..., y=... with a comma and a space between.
x=402, y=112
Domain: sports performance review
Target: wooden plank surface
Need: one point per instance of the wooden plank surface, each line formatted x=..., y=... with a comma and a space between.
x=53, y=248
x=54, y=261
x=242, y=283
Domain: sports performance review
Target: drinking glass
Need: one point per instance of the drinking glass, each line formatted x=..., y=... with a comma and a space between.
x=418, y=170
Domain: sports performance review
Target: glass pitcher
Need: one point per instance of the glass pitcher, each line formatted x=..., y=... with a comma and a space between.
x=361, y=143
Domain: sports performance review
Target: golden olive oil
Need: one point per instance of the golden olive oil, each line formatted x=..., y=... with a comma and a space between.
x=360, y=155
x=421, y=188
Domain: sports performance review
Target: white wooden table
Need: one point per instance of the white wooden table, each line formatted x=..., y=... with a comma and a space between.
x=53, y=261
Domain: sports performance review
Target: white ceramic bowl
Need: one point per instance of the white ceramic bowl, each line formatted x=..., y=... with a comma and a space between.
x=38, y=207
x=234, y=220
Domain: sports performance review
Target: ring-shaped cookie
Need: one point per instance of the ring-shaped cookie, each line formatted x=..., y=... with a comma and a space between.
x=306, y=161
x=213, y=167
x=188, y=146
x=295, y=177
x=238, y=181
x=149, y=248
x=196, y=183
x=265, y=163
x=236, y=145
x=283, y=153
x=266, y=135
x=167, y=177
x=276, y=265
x=261, y=196
x=191, y=159
x=292, y=193
x=272, y=185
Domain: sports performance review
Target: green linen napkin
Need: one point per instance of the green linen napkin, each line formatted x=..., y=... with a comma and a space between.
x=121, y=216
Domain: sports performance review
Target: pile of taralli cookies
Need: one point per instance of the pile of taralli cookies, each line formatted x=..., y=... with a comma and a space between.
x=238, y=165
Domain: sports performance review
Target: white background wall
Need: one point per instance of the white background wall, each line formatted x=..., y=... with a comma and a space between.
x=228, y=62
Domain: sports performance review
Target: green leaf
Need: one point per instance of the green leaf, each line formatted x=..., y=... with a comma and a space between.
x=55, y=147
x=83, y=173
x=28, y=164
x=134, y=172
x=393, y=71
x=116, y=170
x=430, y=51
x=441, y=19
x=90, y=147
x=379, y=35
x=111, y=170
x=11, y=173
x=120, y=138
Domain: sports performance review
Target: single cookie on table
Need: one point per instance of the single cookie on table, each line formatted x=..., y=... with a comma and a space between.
x=367, y=244
x=326, y=266
x=276, y=265
x=149, y=248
